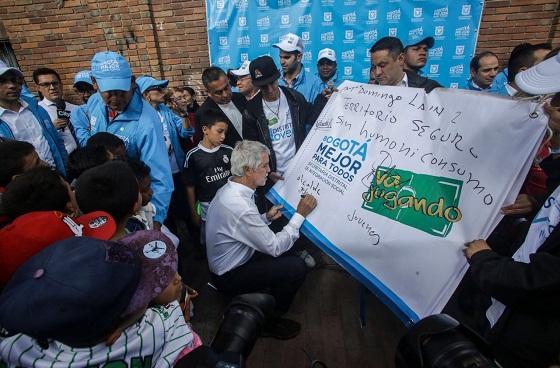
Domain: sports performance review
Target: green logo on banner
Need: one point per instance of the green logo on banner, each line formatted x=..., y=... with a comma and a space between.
x=427, y=203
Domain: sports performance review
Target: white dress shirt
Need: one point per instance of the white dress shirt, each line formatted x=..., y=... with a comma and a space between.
x=235, y=229
x=25, y=127
x=66, y=135
x=233, y=115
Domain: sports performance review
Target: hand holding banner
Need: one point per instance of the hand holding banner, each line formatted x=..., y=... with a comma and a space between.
x=404, y=178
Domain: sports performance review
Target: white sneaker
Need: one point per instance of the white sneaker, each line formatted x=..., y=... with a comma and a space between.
x=307, y=258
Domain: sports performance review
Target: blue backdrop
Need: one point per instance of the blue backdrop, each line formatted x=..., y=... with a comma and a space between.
x=241, y=30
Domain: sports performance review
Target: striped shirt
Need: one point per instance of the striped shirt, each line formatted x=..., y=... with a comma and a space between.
x=154, y=341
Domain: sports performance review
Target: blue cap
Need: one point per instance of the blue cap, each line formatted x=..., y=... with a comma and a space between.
x=146, y=82
x=111, y=71
x=83, y=76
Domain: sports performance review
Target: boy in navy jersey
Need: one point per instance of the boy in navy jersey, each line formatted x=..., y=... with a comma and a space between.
x=207, y=167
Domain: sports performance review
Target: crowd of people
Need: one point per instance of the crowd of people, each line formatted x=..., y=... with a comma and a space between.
x=92, y=196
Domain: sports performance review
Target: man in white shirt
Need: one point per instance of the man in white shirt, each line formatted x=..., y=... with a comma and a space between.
x=244, y=255
x=50, y=89
x=22, y=119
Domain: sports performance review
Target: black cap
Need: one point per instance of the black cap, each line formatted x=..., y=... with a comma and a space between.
x=428, y=41
x=263, y=71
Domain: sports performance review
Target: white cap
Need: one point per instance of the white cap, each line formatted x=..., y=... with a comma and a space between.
x=290, y=43
x=4, y=68
x=542, y=78
x=243, y=69
x=326, y=54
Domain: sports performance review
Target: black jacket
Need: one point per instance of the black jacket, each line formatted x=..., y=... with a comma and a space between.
x=415, y=80
x=232, y=135
x=255, y=124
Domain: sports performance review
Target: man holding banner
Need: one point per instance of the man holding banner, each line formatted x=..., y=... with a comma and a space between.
x=524, y=289
x=387, y=64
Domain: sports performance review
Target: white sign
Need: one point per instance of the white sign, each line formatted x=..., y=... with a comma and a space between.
x=404, y=179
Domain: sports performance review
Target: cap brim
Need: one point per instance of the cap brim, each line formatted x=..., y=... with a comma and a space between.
x=264, y=82
x=327, y=58
x=97, y=224
x=5, y=70
x=83, y=80
x=240, y=73
x=286, y=47
x=542, y=78
x=428, y=41
x=113, y=84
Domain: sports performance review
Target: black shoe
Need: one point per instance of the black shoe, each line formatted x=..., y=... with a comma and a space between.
x=280, y=328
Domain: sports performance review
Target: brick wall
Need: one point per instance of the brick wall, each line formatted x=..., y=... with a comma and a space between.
x=167, y=38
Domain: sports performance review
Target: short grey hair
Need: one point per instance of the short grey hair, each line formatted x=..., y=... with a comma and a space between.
x=247, y=154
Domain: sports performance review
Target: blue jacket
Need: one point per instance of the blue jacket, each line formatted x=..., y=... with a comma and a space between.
x=140, y=129
x=176, y=130
x=306, y=84
x=494, y=88
x=56, y=144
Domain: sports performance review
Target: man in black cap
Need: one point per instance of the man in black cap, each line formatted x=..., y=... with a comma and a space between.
x=277, y=117
x=416, y=55
x=387, y=66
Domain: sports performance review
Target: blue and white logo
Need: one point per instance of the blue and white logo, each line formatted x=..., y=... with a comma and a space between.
x=327, y=36
x=263, y=3
x=241, y=4
x=285, y=20
x=456, y=70
x=372, y=14
x=441, y=13
x=263, y=22
x=221, y=24
x=462, y=32
x=370, y=35
x=244, y=41
x=223, y=41
x=244, y=57
x=242, y=21
x=365, y=73
x=417, y=13
x=436, y=52
x=284, y=3
x=220, y=4
x=466, y=10
x=434, y=69
x=224, y=60
x=393, y=32
x=347, y=70
x=454, y=85
x=305, y=36
x=460, y=50
x=348, y=55
x=349, y=19
x=327, y=17
x=438, y=31
x=305, y=19
x=394, y=16
x=349, y=34
x=264, y=38
x=416, y=33
x=307, y=56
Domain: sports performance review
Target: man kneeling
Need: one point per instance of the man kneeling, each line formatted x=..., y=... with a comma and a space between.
x=244, y=255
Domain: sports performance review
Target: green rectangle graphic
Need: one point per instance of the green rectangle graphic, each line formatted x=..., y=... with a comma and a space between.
x=424, y=202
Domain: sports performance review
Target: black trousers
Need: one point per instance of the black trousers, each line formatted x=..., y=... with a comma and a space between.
x=280, y=277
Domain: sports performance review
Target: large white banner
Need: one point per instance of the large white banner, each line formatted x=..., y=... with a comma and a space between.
x=403, y=179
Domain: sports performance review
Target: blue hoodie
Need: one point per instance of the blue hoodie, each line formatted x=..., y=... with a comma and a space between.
x=176, y=130
x=306, y=84
x=56, y=144
x=140, y=129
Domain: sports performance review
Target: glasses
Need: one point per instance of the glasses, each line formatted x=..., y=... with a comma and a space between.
x=48, y=84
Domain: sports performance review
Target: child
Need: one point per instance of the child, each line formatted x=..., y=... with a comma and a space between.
x=147, y=212
x=16, y=157
x=207, y=167
x=40, y=189
x=85, y=158
x=111, y=187
x=103, y=304
x=110, y=142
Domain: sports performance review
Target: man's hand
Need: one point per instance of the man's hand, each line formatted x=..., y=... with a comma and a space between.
x=60, y=123
x=327, y=92
x=274, y=213
x=306, y=205
x=474, y=247
x=274, y=177
x=157, y=226
x=523, y=204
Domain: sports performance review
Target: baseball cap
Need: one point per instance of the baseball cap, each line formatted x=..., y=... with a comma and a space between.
x=326, y=54
x=428, y=41
x=111, y=71
x=263, y=71
x=542, y=78
x=74, y=291
x=30, y=233
x=4, y=68
x=243, y=69
x=290, y=42
x=78, y=289
x=146, y=82
x=158, y=259
x=83, y=76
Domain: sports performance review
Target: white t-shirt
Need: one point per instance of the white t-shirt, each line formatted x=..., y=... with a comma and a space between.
x=281, y=131
x=66, y=135
x=169, y=146
x=25, y=127
x=154, y=341
x=234, y=116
